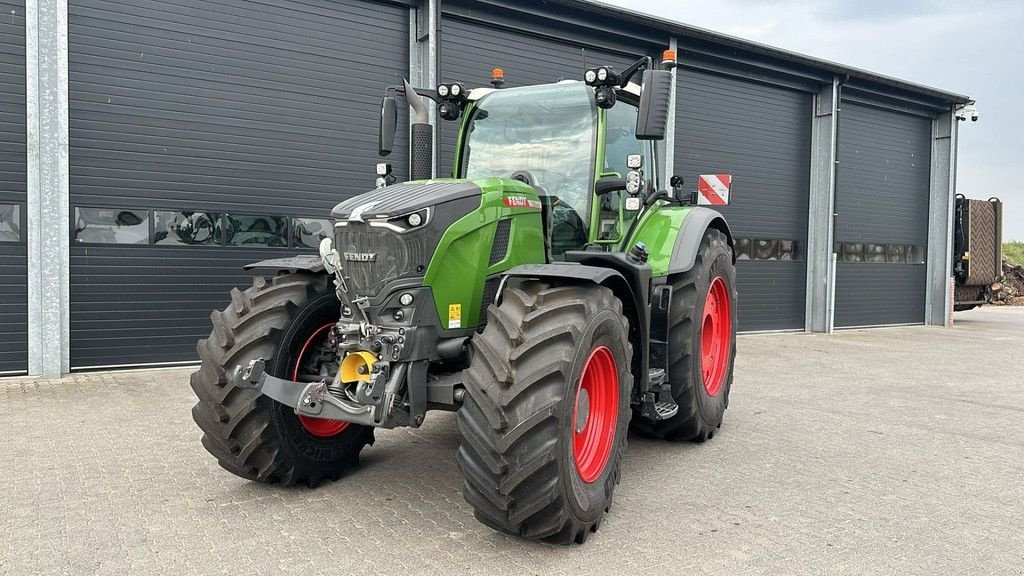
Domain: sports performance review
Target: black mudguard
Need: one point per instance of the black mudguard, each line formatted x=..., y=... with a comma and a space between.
x=302, y=263
x=697, y=222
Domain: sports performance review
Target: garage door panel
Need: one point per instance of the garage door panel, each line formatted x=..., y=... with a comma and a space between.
x=762, y=136
x=883, y=176
x=470, y=50
x=154, y=312
x=879, y=294
x=236, y=107
x=882, y=196
x=771, y=295
x=13, y=262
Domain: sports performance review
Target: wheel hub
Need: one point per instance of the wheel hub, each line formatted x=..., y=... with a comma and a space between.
x=715, y=336
x=582, y=410
x=319, y=427
x=595, y=414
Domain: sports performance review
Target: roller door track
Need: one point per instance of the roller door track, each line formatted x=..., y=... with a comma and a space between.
x=205, y=135
x=762, y=136
x=882, y=225
x=13, y=264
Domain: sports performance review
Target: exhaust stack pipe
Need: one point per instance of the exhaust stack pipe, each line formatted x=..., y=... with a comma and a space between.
x=421, y=154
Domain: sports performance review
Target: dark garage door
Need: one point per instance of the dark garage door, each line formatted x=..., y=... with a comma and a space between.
x=470, y=50
x=762, y=136
x=205, y=135
x=882, y=225
x=13, y=265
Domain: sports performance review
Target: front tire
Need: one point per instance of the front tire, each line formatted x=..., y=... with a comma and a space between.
x=281, y=320
x=702, y=344
x=546, y=411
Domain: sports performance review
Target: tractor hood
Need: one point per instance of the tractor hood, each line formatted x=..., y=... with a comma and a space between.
x=405, y=198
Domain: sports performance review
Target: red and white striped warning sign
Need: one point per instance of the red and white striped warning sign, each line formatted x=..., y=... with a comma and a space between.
x=714, y=189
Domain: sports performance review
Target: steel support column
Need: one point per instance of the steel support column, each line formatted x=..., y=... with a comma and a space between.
x=46, y=76
x=423, y=54
x=940, y=219
x=820, y=273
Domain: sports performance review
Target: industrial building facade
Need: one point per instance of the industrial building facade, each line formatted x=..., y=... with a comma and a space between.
x=150, y=148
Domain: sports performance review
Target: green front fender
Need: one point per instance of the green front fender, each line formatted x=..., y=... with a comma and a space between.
x=672, y=235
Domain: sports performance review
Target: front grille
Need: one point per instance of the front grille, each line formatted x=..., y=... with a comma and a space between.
x=373, y=256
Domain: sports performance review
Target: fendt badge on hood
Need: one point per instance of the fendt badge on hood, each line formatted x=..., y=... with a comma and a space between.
x=360, y=256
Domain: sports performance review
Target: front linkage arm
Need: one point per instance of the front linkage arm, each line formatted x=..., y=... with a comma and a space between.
x=320, y=400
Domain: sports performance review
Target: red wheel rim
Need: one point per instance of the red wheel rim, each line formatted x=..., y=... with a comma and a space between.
x=715, y=336
x=319, y=427
x=595, y=414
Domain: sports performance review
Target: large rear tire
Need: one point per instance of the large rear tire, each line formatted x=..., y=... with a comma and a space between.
x=702, y=344
x=546, y=411
x=284, y=321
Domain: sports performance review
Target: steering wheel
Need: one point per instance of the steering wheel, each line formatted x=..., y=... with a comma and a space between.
x=550, y=180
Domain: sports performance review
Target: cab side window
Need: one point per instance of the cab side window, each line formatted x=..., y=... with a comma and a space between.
x=620, y=141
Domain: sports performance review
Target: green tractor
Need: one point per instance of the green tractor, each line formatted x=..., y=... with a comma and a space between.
x=552, y=293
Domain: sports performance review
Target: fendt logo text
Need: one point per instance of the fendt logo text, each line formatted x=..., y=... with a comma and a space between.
x=360, y=256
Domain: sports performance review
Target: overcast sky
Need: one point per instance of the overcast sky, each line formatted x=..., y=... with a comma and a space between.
x=970, y=47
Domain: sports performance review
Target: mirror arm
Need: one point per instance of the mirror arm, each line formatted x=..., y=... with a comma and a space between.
x=609, y=185
x=422, y=92
x=644, y=63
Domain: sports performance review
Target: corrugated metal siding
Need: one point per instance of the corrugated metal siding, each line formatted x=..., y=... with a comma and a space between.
x=13, y=264
x=470, y=50
x=762, y=136
x=253, y=107
x=882, y=198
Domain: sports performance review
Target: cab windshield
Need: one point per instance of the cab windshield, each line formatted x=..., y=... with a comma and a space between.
x=548, y=131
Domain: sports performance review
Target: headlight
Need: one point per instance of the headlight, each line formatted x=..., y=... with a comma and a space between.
x=442, y=91
x=456, y=89
x=602, y=74
x=415, y=219
x=590, y=77
x=406, y=299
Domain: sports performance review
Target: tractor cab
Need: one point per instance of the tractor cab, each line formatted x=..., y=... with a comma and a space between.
x=586, y=148
x=556, y=138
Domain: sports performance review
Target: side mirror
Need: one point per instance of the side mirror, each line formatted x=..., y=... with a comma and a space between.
x=655, y=94
x=388, y=125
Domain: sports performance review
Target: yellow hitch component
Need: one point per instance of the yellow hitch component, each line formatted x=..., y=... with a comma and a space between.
x=357, y=366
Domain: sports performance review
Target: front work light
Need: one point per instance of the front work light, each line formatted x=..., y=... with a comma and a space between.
x=634, y=161
x=442, y=90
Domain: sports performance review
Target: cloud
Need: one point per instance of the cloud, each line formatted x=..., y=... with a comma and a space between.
x=970, y=47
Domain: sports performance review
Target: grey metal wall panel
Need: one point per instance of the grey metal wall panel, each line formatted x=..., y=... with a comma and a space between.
x=761, y=135
x=259, y=107
x=470, y=50
x=882, y=195
x=883, y=176
x=13, y=265
x=870, y=294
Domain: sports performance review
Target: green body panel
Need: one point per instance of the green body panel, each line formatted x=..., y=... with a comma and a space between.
x=658, y=230
x=459, y=267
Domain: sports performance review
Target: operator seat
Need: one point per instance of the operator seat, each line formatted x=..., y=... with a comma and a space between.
x=562, y=235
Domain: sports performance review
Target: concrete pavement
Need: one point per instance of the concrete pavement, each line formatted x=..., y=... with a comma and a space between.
x=890, y=451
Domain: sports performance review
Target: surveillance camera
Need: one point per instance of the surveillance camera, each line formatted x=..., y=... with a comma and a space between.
x=968, y=110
